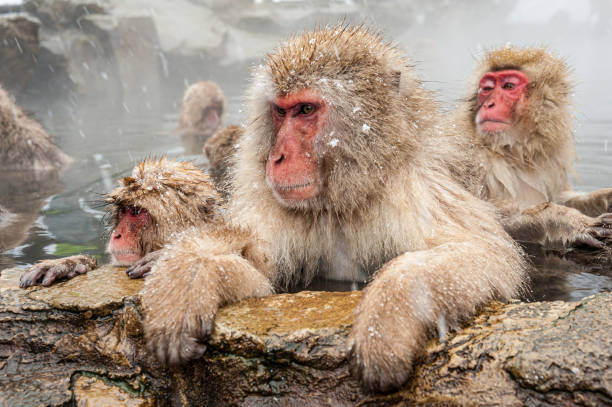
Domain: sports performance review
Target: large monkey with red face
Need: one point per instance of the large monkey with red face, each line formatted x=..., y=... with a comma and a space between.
x=335, y=175
x=160, y=199
x=518, y=119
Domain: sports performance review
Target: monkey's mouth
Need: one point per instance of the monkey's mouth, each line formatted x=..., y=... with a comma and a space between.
x=493, y=125
x=296, y=192
x=125, y=257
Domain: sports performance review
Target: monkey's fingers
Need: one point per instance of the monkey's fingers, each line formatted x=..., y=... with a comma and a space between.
x=33, y=275
x=139, y=270
x=604, y=220
x=56, y=272
x=588, y=240
x=601, y=232
x=173, y=350
x=142, y=267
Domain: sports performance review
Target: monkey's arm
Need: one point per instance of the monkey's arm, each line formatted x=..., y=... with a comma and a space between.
x=45, y=272
x=420, y=291
x=590, y=203
x=189, y=282
x=553, y=225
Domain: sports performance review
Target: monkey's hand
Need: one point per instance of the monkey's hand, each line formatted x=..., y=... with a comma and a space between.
x=553, y=225
x=592, y=204
x=592, y=232
x=417, y=292
x=184, y=290
x=386, y=335
x=46, y=272
x=142, y=267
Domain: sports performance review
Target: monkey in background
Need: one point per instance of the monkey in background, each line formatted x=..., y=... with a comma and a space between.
x=24, y=144
x=335, y=176
x=160, y=199
x=219, y=149
x=518, y=120
x=202, y=111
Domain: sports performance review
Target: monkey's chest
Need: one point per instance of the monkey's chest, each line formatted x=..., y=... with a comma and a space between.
x=341, y=264
x=503, y=182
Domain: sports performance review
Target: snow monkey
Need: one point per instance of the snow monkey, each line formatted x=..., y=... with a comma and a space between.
x=160, y=198
x=201, y=114
x=518, y=116
x=333, y=177
x=24, y=144
x=219, y=149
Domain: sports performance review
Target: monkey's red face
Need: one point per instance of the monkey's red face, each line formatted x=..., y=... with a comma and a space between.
x=499, y=95
x=124, y=244
x=292, y=170
x=211, y=116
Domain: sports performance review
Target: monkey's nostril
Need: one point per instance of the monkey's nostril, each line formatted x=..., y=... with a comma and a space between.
x=117, y=236
x=279, y=159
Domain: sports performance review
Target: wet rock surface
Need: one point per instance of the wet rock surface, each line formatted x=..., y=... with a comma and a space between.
x=81, y=342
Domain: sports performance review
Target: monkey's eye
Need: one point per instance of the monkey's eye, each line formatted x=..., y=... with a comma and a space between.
x=122, y=210
x=135, y=211
x=508, y=85
x=307, y=109
x=279, y=110
x=486, y=89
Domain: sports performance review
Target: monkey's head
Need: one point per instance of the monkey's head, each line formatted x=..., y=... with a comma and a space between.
x=329, y=120
x=202, y=108
x=161, y=198
x=521, y=100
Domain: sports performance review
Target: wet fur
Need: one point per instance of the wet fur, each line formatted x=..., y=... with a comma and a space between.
x=177, y=195
x=24, y=144
x=219, y=149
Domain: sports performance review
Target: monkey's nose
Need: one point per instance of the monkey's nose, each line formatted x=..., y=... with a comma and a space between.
x=279, y=160
x=490, y=104
x=117, y=236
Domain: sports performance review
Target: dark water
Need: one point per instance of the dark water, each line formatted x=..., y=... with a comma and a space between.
x=107, y=134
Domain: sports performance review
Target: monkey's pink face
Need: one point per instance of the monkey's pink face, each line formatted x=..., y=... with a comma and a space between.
x=292, y=170
x=499, y=95
x=124, y=244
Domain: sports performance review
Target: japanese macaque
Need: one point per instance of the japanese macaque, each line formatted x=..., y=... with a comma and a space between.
x=24, y=144
x=201, y=114
x=334, y=178
x=219, y=149
x=159, y=200
x=519, y=122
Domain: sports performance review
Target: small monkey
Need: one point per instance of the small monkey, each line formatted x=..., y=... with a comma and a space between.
x=24, y=144
x=517, y=118
x=160, y=199
x=219, y=149
x=201, y=114
x=336, y=175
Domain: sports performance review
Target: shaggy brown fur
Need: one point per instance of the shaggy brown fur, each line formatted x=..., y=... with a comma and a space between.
x=24, y=144
x=199, y=100
x=176, y=195
x=388, y=210
x=219, y=150
x=529, y=164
